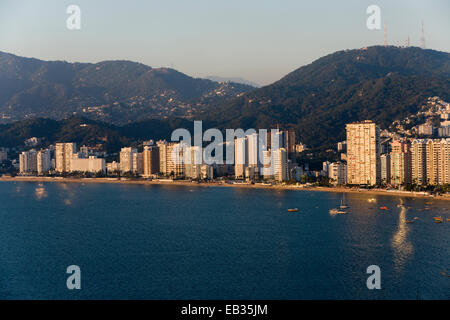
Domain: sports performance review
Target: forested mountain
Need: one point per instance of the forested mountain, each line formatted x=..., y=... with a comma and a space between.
x=117, y=92
x=377, y=83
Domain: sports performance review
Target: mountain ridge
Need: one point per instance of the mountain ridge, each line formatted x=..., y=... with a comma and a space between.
x=377, y=83
x=116, y=91
x=317, y=100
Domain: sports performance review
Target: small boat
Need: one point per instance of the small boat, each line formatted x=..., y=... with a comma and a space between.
x=343, y=205
x=384, y=208
x=410, y=221
x=371, y=200
x=444, y=273
x=293, y=210
x=416, y=218
x=337, y=211
x=438, y=220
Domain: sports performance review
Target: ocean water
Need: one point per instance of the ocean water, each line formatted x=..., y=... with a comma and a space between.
x=182, y=242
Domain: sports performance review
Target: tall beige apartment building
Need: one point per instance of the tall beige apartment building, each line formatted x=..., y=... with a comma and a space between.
x=400, y=158
x=151, y=160
x=419, y=161
x=64, y=152
x=438, y=161
x=138, y=163
x=171, y=159
x=363, y=153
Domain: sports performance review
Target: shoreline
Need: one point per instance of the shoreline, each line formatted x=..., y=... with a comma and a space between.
x=218, y=184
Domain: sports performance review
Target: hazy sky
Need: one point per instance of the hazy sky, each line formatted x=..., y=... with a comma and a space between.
x=258, y=40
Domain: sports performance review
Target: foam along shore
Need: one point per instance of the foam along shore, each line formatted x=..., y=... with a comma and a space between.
x=225, y=184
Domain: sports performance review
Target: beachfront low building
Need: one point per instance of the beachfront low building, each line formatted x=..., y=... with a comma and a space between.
x=113, y=167
x=337, y=172
x=207, y=172
x=91, y=164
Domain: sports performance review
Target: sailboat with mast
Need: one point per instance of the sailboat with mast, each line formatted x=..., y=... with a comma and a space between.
x=343, y=204
x=341, y=209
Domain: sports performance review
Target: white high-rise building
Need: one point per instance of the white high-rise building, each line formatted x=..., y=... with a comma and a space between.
x=337, y=172
x=280, y=164
x=64, y=153
x=126, y=159
x=43, y=161
x=253, y=155
x=193, y=162
x=240, y=157
x=171, y=158
x=28, y=161
x=267, y=170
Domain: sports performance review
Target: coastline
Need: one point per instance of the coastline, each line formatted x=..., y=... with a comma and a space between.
x=396, y=193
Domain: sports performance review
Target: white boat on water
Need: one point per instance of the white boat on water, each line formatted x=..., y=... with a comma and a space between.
x=337, y=211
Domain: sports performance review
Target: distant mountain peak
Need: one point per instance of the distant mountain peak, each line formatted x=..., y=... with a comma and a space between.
x=233, y=79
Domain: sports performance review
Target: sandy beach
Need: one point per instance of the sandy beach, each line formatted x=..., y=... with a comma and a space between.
x=220, y=184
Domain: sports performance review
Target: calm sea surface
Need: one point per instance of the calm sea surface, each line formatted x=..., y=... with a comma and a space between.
x=181, y=242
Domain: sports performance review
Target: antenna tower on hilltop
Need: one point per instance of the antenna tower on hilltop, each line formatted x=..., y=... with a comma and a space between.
x=422, y=38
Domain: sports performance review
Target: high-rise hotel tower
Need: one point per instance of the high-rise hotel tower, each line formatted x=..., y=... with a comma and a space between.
x=363, y=153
